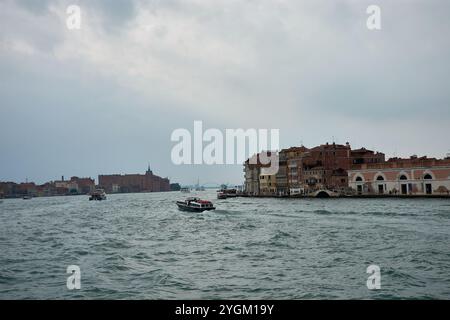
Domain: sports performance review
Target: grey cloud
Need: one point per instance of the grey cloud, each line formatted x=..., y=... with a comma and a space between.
x=36, y=7
x=310, y=68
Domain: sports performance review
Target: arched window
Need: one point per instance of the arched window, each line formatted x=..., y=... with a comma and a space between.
x=380, y=178
x=403, y=177
x=359, y=179
x=427, y=177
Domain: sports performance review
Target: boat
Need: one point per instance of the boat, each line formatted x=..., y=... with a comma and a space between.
x=27, y=197
x=195, y=205
x=227, y=193
x=185, y=190
x=221, y=195
x=98, y=194
x=231, y=193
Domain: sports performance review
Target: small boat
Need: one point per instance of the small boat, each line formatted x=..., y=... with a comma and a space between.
x=98, y=194
x=221, y=195
x=227, y=193
x=231, y=193
x=27, y=197
x=195, y=205
x=185, y=190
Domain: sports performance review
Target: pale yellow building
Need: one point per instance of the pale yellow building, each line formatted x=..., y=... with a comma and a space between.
x=267, y=182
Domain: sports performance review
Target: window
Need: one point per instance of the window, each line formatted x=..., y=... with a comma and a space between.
x=380, y=178
x=359, y=179
x=403, y=177
x=427, y=177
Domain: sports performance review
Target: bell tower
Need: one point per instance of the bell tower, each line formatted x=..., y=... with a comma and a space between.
x=149, y=171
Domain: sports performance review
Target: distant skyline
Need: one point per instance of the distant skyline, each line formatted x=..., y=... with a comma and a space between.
x=105, y=99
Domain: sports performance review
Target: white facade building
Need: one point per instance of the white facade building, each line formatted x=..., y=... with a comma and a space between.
x=414, y=176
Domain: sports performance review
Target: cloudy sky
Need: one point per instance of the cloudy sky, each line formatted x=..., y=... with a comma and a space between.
x=106, y=98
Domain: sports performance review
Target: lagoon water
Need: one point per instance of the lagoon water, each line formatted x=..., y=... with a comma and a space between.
x=139, y=246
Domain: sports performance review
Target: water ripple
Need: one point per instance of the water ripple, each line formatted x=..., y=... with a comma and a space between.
x=139, y=246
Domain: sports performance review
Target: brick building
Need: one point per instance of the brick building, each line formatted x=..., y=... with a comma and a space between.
x=73, y=186
x=11, y=189
x=303, y=170
x=127, y=183
x=324, y=166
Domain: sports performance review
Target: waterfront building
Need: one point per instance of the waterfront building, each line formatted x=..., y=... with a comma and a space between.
x=252, y=171
x=27, y=188
x=82, y=185
x=413, y=176
x=251, y=184
x=251, y=176
x=324, y=167
x=46, y=190
x=362, y=155
x=7, y=189
x=73, y=186
x=147, y=182
x=303, y=170
x=294, y=163
x=321, y=167
x=281, y=176
x=267, y=182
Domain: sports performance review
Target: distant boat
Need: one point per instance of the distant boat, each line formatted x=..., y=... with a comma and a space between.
x=195, y=205
x=185, y=190
x=228, y=193
x=221, y=195
x=27, y=197
x=98, y=194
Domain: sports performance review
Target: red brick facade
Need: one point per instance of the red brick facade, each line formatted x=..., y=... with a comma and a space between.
x=325, y=166
x=147, y=182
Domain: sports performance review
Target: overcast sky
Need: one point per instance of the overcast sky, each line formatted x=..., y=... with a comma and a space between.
x=106, y=98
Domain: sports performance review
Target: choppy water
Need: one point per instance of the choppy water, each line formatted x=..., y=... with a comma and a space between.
x=139, y=246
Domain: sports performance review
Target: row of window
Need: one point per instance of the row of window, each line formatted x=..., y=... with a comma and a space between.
x=402, y=177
